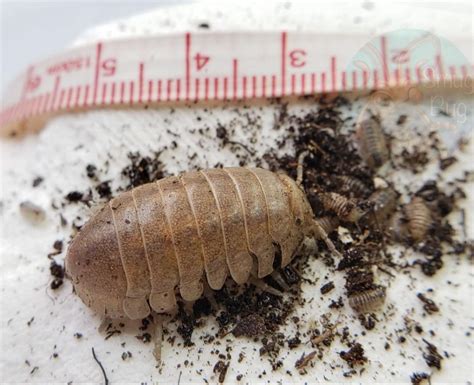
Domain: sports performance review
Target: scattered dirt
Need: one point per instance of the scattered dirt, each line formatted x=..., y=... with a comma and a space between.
x=57, y=271
x=253, y=313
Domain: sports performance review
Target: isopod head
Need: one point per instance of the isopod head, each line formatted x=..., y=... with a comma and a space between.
x=94, y=266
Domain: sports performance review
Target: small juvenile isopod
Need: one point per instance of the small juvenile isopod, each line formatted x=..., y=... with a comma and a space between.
x=345, y=209
x=369, y=300
x=328, y=223
x=384, y=203
x=134, y=253
x=372, y=141
x=419, y=218
x=352, y=186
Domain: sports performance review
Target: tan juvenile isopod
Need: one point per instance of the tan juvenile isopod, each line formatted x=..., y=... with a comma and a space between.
x=345, y=209
x=147, y=242
x=372, y=141
x=368, y=301
x=384, y=203
x=419, y=218
x=352, y=186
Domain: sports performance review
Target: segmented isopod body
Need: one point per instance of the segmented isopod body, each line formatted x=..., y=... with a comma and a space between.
x=368, y=301
x=344, y=208
x=419, y=218
x=352, y=187
x=373, y=145
x=169, y=234
x=384, y=204
x=328, y=223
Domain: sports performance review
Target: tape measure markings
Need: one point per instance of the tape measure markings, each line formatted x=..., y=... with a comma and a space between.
x=111, y=74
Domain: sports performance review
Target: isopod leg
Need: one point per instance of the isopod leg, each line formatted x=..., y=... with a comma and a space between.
x=158, y=338
x=278, y=279
x=103, y=325
x=299, y=169
x=259, y=284
x=321, y=234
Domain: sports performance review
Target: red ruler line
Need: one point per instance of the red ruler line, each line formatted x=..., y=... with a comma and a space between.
x=188, y=63
x=234, y=78
x=69, y=97
x=98, y=53
x=62, y=93
x=159, y=85
x=244, y=86
x=112, y=93
x=196, y=89
x=293, y=84
x=131, y=86
x=274, y=86
x=140, y=82
x=333, y=74
x=57, y=80
x=178, y=90
x=383, y=48
x=313, y=83
x=206, y=89
x=86, y=95
x=168, y=90
x=150, y=91
x=103, y=100
x=225, y=88
x=284, y=39
x=343, y=81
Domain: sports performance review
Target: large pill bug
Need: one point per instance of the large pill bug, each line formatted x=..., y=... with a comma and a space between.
x=419, y=218
x=372, y=142
x=147, y=242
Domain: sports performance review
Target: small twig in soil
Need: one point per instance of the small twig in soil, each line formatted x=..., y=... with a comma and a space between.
x=241, y=145
x=106, y=380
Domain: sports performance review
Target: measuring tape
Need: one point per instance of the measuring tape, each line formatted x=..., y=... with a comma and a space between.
x=227, y=66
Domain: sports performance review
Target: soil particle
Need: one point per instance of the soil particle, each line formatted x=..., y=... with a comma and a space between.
x=143, y=169
x=447, y=162
x=304, y=360
x=250, y=326
x=145, y=337
x=354, y=356
x=91, y=171
x=221, y=368
x=104, y=190
x=418, y=377
x=74, y=196
x=202, y=307
x=186, y=326
x=37, y=181
x=428, y=304
x=57, y=271
x=432, y=357
x=294, y=342
x=326, y=288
